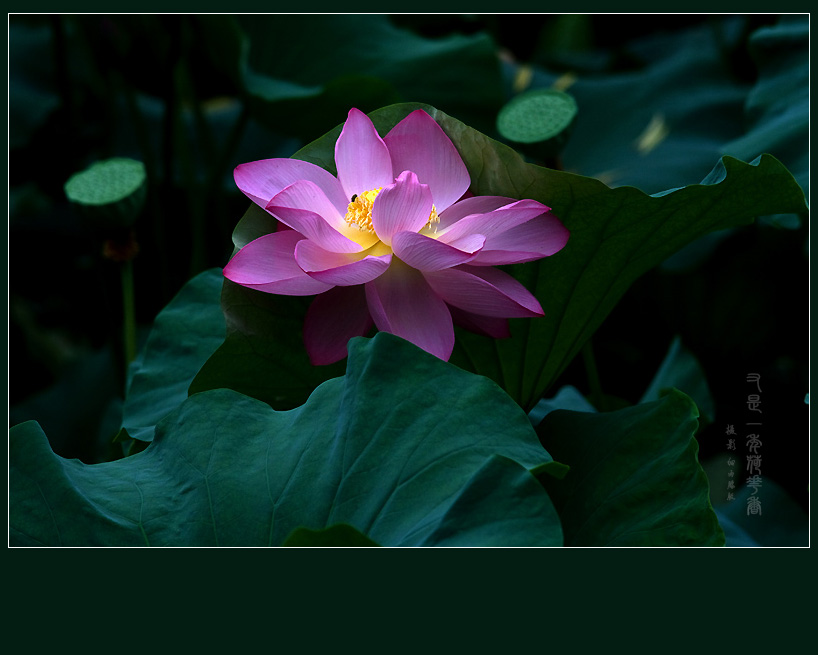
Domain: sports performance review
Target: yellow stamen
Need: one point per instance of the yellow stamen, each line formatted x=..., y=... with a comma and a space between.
x=359, y=212
x=434, y=219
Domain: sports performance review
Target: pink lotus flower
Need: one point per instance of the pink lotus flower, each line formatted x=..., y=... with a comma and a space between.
x=391, y=239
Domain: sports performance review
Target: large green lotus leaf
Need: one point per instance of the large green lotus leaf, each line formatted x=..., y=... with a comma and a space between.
x=635, y=479
x=616, y=236
x=405, y=448
x=184, y=335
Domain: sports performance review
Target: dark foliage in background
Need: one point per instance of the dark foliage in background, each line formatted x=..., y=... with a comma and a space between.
x=193, y=96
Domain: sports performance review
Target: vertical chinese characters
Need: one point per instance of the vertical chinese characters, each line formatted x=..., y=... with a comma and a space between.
x=753, y=443
x=731, y=462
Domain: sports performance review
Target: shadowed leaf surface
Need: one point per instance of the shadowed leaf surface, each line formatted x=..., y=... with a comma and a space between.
x=635, y=479
x=433, y=456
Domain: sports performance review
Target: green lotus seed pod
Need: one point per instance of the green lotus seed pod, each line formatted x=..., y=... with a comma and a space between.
x=110, y=193
x=538, y=122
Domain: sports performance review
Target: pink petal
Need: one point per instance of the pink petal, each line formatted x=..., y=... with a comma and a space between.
x=344, y=269
x=314, y=227
x=420, y=145
x=268, y=264
x=333, y=318
x=494, y=222
x=404, y=206
x=489, y=326
x=401, y=302
x=473, y=205
x=305, y=194
x=361, y=156
x=540, y=237
x=484, y=291
x=261, y=180
x=427, y=254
